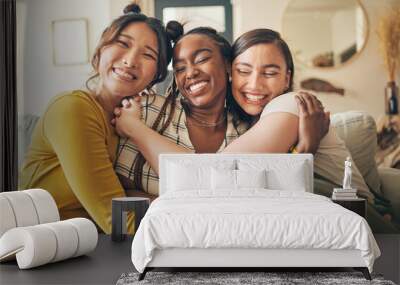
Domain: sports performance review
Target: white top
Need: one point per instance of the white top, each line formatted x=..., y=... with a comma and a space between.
x=332, y=152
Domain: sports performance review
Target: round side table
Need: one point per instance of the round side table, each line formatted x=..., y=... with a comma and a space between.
x=120, y=207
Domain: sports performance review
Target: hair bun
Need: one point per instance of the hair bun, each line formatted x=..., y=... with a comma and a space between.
x=174, y=30
x=132, y=8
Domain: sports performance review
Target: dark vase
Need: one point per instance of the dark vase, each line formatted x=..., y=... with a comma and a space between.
x=391, y=98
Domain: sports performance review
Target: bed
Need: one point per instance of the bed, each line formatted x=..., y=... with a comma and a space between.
x=246, y=211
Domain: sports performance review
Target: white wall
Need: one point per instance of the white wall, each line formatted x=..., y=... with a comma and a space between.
x=364, y=78
x=42, y=79
x=117, y=6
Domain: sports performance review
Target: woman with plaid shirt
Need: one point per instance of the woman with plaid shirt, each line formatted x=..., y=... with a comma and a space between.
x=192, y=116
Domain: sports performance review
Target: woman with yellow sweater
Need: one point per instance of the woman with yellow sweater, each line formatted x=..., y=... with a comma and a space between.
x=73, y=146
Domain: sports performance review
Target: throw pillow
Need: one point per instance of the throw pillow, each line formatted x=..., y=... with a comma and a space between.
x=287, y=173
x=182, y=177
x=223, y=179
x=278, y=180
x=251, y=178
x=358, y=131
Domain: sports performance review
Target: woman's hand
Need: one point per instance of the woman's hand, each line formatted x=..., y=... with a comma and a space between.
x=127, y=116
x=313, y=122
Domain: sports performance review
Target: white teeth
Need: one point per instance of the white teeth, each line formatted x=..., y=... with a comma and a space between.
x=123, y=74
x=197, y=86
x=254, y=98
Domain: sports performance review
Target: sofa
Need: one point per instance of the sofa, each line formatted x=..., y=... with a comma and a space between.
x=358, y=131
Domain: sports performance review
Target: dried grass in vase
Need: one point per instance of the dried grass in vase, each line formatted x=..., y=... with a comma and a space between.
x=389, y=35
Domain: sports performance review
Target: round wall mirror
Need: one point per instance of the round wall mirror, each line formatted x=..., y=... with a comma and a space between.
x=325, y=33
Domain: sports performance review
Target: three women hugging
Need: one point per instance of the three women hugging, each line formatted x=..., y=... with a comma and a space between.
x=222, y=98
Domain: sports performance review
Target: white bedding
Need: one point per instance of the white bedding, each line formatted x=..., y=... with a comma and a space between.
x=251, y=218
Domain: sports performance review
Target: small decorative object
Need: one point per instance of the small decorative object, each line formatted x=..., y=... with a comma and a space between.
x=347, y=174
x=389, y=35
x=347, y=192
x=320, y=85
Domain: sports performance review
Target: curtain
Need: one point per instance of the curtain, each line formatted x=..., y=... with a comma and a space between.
x=8, y=97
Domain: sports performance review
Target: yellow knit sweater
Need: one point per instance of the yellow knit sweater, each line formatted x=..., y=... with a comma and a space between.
x=71, y=156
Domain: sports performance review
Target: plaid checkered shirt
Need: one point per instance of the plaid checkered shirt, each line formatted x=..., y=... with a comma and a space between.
x=176, y=132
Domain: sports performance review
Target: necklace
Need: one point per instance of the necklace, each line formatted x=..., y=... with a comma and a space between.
x=202, y=123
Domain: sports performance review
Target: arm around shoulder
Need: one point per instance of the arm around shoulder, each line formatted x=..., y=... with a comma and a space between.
x=273, y=133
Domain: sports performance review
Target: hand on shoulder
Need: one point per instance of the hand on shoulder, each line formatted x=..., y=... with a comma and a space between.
x=313, y=122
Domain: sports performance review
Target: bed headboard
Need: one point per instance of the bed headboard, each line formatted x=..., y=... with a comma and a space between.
x=283, y=164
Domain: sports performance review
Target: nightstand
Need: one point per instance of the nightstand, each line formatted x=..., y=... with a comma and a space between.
x=120, y=207
x=357, y=205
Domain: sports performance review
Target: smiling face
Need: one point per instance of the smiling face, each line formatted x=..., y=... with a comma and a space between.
x=259, y=74
x=129, y=64
x=200, y=71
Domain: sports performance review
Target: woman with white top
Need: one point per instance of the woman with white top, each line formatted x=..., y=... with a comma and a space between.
x=262, y=78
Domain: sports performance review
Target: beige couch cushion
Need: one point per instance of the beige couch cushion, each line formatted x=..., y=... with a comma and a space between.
x=358, y=131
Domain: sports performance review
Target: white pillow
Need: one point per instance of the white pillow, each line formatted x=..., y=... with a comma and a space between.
x=251, y=178
x=228, y=179
x=280, y=174
x=193, y=175
x=183, y=177
x=358, y=131
x=292, y=179
x=223, y=179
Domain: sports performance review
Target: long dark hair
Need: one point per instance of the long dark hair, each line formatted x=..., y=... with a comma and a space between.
x=132, y=14
x=175, y=31
x=246, y=41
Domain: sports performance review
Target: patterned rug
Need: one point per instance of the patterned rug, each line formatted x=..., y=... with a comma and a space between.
x=242, y=278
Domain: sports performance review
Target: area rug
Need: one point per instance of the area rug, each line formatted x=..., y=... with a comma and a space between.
x=243, y=278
